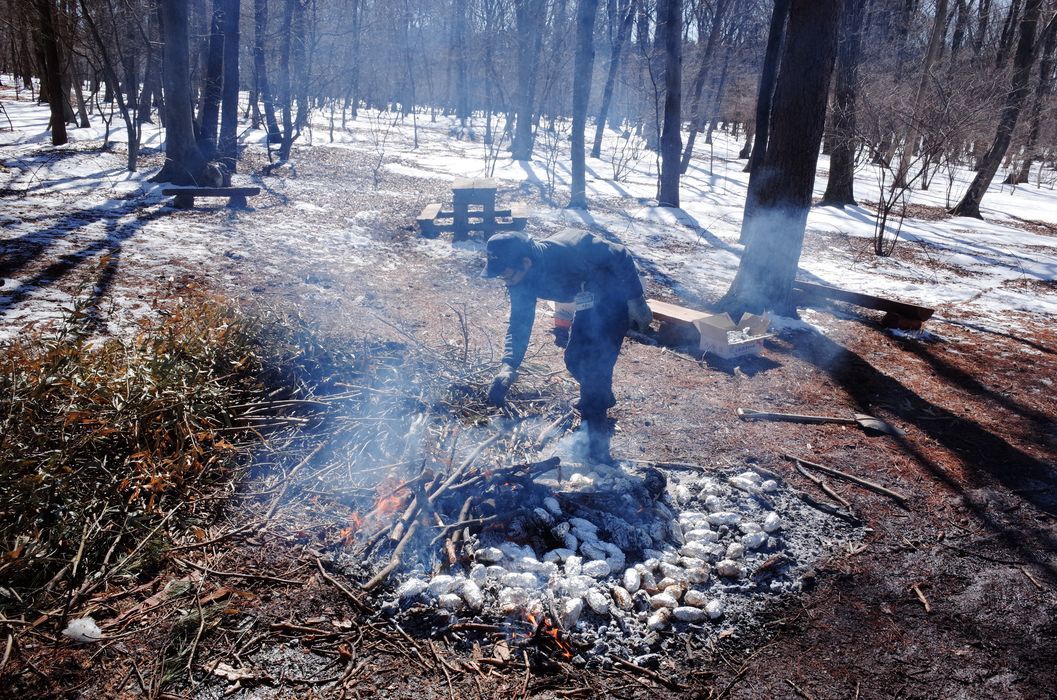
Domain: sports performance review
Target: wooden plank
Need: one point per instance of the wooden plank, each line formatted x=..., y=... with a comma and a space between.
x=677, y=327
x=900, y=312
x=673, y=313
x=429, y=212
x=473, y=183
x=211, y=191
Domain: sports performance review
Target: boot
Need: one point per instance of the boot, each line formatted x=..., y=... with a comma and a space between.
x=599, y=432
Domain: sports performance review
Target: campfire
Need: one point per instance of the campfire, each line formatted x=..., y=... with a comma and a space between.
x=577, y=559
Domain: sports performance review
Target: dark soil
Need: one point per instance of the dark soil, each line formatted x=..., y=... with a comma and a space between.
x=952, y=596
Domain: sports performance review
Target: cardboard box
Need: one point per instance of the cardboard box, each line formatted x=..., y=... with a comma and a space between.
x=676, y=323
x=721, y=336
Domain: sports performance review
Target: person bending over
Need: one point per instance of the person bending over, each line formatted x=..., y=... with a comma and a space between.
x=601, y=279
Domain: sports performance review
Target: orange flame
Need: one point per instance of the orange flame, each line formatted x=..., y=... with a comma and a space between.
x=392, y=495
x=550, y=630
x=355, y=523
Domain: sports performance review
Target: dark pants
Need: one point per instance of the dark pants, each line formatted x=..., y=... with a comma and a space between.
x=594, y=344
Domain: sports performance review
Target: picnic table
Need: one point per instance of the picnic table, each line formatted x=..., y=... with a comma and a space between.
x=473, y=209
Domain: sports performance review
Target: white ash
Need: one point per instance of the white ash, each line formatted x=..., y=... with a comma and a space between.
x=83, y=630
x=616, y=579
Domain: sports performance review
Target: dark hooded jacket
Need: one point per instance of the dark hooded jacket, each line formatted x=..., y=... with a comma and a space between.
x=562, y=266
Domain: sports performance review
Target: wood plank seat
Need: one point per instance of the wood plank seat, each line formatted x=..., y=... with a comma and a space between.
x=898, y=314
x=426, y=220
x=185, y=196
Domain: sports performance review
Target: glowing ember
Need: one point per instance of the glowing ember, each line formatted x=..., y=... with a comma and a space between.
x=546, y=629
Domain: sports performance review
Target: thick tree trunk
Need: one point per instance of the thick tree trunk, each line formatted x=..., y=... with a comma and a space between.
x=212, y=84
x=772, y=54
x=670, y=22
x=611, y=76
x=183, y=161
x=529, y=19
x=227, y=148
x=582, y=66
x=780, y=192
x=1018, y=91
x=52, y=72
x=840, y=190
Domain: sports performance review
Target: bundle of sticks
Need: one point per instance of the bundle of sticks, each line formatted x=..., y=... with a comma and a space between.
x=454, y=506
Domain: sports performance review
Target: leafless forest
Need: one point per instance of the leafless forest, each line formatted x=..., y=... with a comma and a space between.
x=283, y=478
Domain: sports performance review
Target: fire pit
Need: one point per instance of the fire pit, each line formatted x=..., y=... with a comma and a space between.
x=587, y=561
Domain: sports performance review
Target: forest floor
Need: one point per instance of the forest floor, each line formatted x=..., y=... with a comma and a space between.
x=952, y=595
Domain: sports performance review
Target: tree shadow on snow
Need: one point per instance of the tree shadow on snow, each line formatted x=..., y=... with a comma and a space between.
x=108, y=250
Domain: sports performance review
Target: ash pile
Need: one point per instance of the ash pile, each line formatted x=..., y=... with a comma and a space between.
x=590, y=560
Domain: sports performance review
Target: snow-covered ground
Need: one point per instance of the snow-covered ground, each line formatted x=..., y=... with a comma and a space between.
x=77, y=206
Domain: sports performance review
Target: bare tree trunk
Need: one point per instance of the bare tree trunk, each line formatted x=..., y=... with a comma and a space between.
x=227, y=148
x=750, y=132
x=1022, y=62
x=717, y=102
x=983, y=19
x=82, y=110
x=458, y=49
x=529, y=18
x=355, y=12
x=260, y=31
x=110, y=76
x=1009, y=28
x=840, y=186
x=52, y=72
x=611, y=76
x=703, y=69
x=775, y=37
x=670, y=22
x=958, y=34
x=285, y=101
x=582, y=67
x=213, y=83
x=910, y=133
x=1042, y=90
x=778, y=208
x=153, y=74
x=183, y=161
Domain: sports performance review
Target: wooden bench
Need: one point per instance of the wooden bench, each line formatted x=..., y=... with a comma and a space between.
x=433, y=219
x=898, y=314
x=185, y=196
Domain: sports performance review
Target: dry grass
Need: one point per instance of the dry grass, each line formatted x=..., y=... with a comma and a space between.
x=99, y=440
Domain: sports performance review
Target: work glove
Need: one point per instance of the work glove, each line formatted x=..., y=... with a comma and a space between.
x=639, y=314
x=501, y=385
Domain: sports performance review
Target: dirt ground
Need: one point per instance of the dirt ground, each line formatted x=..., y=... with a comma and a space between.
x=951, y=596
